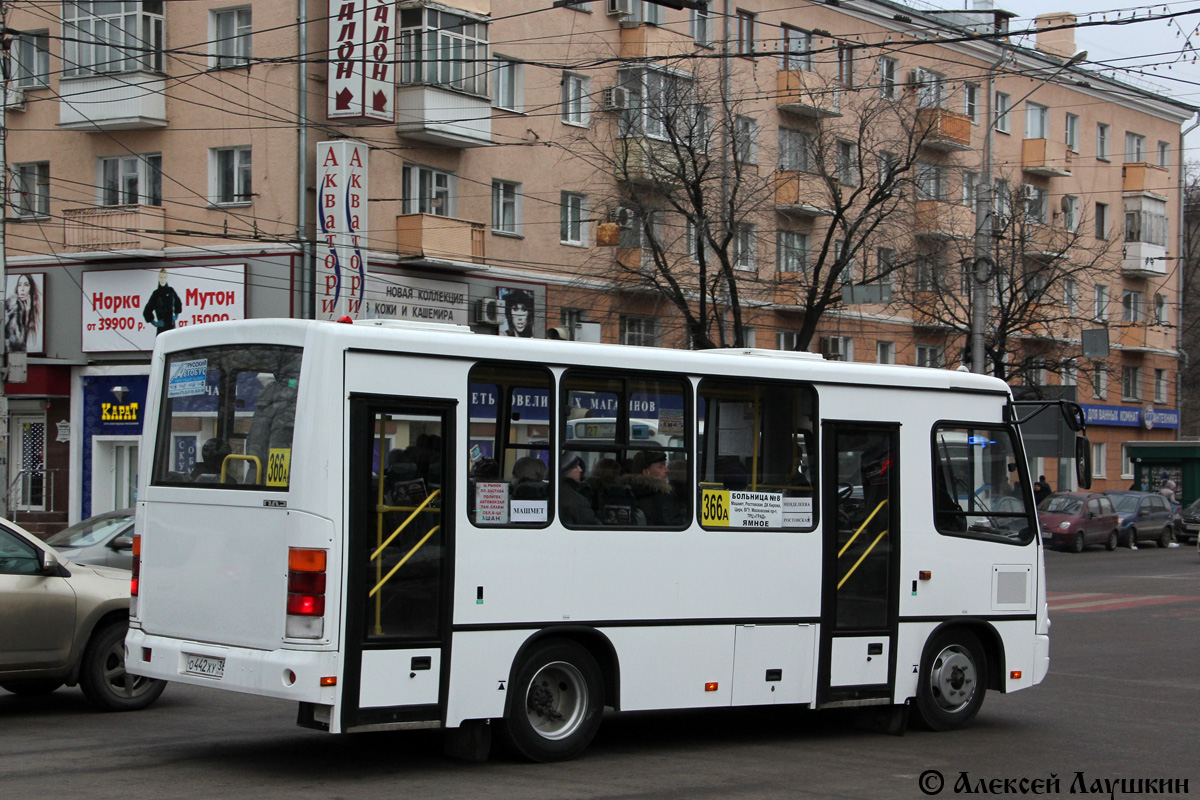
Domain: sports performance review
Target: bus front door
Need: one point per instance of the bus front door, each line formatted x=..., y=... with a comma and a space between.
x=398, y=596
x=859, y=603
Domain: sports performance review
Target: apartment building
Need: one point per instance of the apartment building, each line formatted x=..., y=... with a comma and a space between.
x=754, y=174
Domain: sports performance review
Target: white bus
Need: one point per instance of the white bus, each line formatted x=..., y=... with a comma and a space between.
x=377, y=531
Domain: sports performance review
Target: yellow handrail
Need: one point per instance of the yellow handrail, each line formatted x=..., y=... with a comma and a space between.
x=404, y=524
x=234, y=457
x=846, y=577
x=861, y=528
x=407, y=556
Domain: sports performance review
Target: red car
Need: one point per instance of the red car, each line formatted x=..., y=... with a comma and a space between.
x=1073, y=520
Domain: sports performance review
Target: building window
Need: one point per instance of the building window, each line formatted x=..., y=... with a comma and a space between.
x=1160, y=386
x=745, y=33
x=1035, y=120
x=887, y=77
x=794, y=151
x=971, y=102
x=1100, y=309
x=658, y=103
x=131, y=180
x=1131, y=307
x=745, y=140
x=1002, y=112
x=791, y=251
x=1162, y=315
x=837, y=348
x=31, y=59
x=1073, y=132
x=1070, y=375
x=231, y=175
x=445, y=49
x=1135, y=148
x=506, y=207
x=1146, y=220
x=787, y=340
x=574, y=219
x=702, y=26
x=743, y=246
x=930, y=182
x=30, y=190
x=1102, y=139
x=1070, y=295
x=885, y=265
x=970, y=187
x=845, y=73
x=847, y=163
x=1035, y=205
x=102, y=37
x=797, y=45
x=1164, y=154
x=1100, y=382
x=1131, y=383
x=931, y=89
x=1099, y=459
x=885, y=352
x=575, y=99
x=1101, y=220
x=1070, y=210
x=231, y=31
x=507, y=84
x=929, y=355
x=641, y=331
x=428, y=191
x=1126, y=463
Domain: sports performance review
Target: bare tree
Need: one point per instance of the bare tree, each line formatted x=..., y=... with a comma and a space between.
x=1189, y=311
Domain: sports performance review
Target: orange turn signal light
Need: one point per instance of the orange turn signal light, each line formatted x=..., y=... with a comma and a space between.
x=711, y=686
x=306, y=560
x=925, y=574
x=329, y=680
x=1015, y=674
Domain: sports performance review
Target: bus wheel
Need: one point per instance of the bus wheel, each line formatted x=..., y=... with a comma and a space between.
x=953, y=680
x=555, y=702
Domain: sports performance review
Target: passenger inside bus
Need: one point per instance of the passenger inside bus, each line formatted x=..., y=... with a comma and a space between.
x=573, y=507
x=652, y=491
x=212, y=456
x=529, y=479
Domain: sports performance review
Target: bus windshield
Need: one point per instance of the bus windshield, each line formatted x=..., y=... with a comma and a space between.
x=227, y=417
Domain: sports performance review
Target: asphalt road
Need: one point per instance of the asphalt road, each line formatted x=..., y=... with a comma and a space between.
x=1121, y=701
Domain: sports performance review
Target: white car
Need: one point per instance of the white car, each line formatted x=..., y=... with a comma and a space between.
x=65, y=623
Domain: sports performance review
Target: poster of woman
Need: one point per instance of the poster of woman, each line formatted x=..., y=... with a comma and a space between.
x=24, y=312
x=518, y=313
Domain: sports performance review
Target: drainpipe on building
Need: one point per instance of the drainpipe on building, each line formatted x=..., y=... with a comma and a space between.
x=1179, y=260
x=307, y=274
x=5, y=42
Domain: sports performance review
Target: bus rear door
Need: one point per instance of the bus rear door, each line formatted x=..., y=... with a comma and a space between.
x=400, y=536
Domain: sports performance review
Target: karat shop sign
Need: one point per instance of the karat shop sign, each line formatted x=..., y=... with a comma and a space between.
x=117, y=412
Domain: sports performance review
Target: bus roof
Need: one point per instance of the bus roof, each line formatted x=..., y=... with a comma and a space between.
x=457, y=341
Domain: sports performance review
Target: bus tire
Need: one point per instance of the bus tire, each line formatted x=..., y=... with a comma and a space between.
x=555, y=703
x=103, y=678
x=953, y=680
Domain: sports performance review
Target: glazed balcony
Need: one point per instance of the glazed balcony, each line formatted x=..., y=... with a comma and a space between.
x=127, y=102
x=113, y=230
x=1143, y=260
x=443, y=117
x=944, y=130
x=434, y=239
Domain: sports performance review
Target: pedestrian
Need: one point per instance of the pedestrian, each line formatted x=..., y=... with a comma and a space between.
x=1168, y=491
x=1041, y=490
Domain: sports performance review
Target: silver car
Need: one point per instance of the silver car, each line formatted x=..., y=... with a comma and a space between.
x=105, y=540
x=65, y=623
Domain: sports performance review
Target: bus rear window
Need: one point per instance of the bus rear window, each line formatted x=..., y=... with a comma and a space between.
x=227, y=417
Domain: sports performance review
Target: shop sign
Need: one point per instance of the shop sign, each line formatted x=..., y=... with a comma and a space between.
x=361, y=85
x=417, y=299
x=342, y=215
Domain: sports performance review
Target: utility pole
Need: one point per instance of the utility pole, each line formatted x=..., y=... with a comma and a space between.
x=5, y=65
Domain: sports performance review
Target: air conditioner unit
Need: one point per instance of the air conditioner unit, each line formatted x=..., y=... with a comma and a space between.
x=488, y=311
x=624, y=217
x=620, y=7
x=1026, y=191
x=14, y=99
x=614, y=98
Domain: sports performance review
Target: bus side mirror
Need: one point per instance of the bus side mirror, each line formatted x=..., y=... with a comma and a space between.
x=1083, y=462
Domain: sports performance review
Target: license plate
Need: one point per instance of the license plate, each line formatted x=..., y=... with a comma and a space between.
x=1192, y=527
x=206, y=666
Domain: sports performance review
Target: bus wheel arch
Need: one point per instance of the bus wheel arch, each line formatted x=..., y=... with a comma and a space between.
x=557, y=691
x=959, y=663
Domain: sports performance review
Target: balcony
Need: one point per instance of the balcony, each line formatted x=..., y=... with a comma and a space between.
x=928, y=310
x=803, y=93
x=943, y=221
x=798, y=194
x=440, y=241
x=1141, y=336
x=109, y=231
x=641, y=159
x=1046, y=157
x=641, y=41
x=1144, y=178
x=1143, y=260
x=127, y=102
x=944, y=130
x=443, y=117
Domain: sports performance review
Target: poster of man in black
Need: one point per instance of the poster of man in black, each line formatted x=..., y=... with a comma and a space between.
x=163, y=306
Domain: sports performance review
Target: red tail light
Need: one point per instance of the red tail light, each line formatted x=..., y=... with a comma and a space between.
x=306, y=593
x=137, y=565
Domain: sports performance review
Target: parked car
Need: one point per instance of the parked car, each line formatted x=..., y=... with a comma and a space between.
x=1144, y=516
x=1186, y=523
x=1073, y=520
x=105, y=540
x=65, y=623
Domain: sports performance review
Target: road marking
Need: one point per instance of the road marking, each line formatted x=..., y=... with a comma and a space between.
x=1112, y=602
